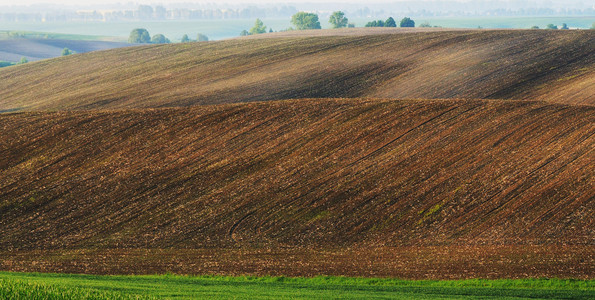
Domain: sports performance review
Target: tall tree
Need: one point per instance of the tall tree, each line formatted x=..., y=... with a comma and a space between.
x=303, y=20
x=338, y=20
x=258, y=27
x=139, y=35
x=390, y=22
x=407, y=22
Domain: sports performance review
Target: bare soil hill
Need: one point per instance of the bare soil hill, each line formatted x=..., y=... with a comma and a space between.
x=333, y=175
x=127, y=168
x=35, y=49
x=555, y=66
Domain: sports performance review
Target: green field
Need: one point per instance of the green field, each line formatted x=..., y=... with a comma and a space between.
x=64, y=286
x=11, y=34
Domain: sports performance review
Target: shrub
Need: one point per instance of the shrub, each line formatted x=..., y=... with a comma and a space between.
x=159, y=39
x=377, y=23
x=66, y=52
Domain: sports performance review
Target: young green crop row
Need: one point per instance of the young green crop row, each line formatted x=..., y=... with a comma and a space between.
x=18, y=289
x=65, y=286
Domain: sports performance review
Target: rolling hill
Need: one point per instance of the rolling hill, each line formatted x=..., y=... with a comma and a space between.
x=38, y=48
x=555, y=66
x=236, y=157
x=326, y=173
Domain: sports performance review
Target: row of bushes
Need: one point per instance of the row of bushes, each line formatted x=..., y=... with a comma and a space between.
x=141, y=36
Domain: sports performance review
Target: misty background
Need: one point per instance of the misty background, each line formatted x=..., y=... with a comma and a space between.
x=57, y=11
x=113, y=21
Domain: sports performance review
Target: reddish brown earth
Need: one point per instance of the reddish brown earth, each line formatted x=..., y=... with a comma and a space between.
x=98, y=177
x=432, y=262
x=434, y=188
x=551, y=65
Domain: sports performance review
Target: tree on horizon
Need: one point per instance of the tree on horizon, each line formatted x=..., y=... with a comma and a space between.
x=160, y=39
x=407, y=22
x=258, y=27
x=390, y=22
x=303, y=20
x=66, y=52
x=338, y=20
x=139, y=36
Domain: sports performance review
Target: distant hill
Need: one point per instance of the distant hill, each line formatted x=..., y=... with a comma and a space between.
x=301, y=173
x=555, y=66
x=38, y=48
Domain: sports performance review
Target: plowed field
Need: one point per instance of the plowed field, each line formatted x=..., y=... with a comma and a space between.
x=556, y=66
x=334, y=185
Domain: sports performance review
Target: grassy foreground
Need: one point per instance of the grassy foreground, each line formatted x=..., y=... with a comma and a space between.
x=68, y=286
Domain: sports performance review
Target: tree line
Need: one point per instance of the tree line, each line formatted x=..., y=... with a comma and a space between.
x=142, y=36
x=305, y=20
x=301, y=21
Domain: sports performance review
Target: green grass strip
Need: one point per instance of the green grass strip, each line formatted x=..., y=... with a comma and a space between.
x=71, y=286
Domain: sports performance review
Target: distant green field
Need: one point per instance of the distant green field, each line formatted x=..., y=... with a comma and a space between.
x=64, y=286
x=221, y=29
x=6, y=63
x=8, y=34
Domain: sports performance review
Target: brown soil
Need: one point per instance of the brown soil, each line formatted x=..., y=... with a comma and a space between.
x=299, y=174
x=107, y=182
x=434, y=262
x=556, y=66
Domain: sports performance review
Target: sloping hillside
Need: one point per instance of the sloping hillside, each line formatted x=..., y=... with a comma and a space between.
x=555, y=66
x=36, y=49
x=303, y=173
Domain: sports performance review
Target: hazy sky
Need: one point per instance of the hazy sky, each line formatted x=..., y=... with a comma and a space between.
x=155, y=2
x=165, y=2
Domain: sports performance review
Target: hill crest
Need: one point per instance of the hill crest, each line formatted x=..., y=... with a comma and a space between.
x=554, y=66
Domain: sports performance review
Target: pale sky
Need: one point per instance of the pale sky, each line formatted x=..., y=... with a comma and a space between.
x=223, y=2
x=164, y=2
